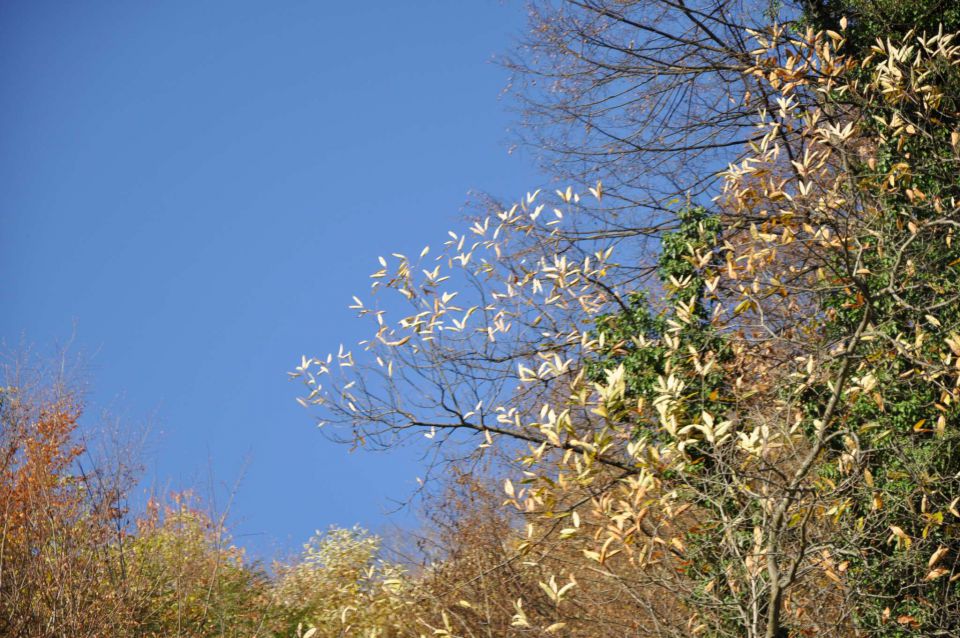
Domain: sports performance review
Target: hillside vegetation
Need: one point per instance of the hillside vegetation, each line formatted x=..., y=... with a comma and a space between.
x=715, y=389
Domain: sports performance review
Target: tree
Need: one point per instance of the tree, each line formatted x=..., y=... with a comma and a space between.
x=479, y=584
x=341, y=587
x=728, y=425
x=72, y=562
x=60, y=566
x=188, y=579
x=646, y=95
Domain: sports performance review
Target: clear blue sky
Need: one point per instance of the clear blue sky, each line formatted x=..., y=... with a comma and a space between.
x=195, y=189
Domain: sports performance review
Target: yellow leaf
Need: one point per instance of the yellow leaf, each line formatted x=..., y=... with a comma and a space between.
x=900, y=536
x=742, y=306
x=937, y=555
x=907, y=620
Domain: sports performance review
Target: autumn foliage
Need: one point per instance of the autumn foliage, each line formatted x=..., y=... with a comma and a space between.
x=716, y=402
x=58, y=570
x=752, y=433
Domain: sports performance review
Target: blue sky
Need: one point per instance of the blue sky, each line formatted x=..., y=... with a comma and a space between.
x=195, y=190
